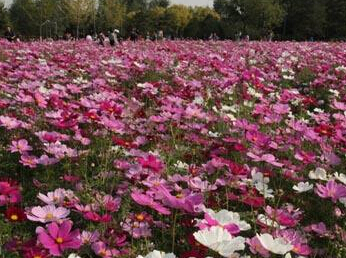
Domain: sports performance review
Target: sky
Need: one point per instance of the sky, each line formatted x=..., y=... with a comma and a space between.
x=186, y=2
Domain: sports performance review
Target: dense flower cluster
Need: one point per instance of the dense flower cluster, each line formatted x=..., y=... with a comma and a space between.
x=198, y=149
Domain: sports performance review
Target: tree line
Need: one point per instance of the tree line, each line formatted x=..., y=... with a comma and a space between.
x=285, y=19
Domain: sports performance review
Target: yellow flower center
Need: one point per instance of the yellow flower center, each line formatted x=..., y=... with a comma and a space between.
x=49, y=216
x=37, y=256
x=140, y=217
x=59, y=240
x=14, y=217
x=179, y=196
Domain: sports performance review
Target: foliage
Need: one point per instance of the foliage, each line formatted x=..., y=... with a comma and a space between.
x=111, y=14
x=177, y=17
x=79, y=12
x=312, y=23
x=4, y=19
x=23, y=15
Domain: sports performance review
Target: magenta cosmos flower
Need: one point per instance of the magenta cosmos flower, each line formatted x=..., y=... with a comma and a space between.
x=146, y=200
x=57, y=238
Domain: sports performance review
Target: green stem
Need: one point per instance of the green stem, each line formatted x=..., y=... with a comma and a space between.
x=173, y=230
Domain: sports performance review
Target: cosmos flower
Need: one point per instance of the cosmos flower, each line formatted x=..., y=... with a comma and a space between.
x=332, y=190
x=15, y=214
x=220, y=241
x=146, y=200
x=225, y=219
x=47, y=214
x=303, y=187
x=101, y=249
x=22, y=146
x=276, y=246
x=158, y=254
x=58, y=238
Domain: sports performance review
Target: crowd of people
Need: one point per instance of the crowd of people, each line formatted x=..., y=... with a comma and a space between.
x=112, y=37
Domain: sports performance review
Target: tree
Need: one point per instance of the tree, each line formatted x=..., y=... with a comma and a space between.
x=221, y=7
x=336, y=19
x=253, y=17
x=305, y=19
x=4, y=19
x=158, y=3
x=176, y=18
x=23, y=15
x=111, y=14
x=79, y=12
x=204, y=21
x=135, y=5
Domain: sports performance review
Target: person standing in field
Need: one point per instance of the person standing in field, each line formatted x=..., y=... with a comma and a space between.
x=9, y=34
x=111, y=36
x=133, y=35
x=101, y=39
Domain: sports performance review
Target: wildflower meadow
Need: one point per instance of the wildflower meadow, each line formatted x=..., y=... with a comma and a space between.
x=173, y=149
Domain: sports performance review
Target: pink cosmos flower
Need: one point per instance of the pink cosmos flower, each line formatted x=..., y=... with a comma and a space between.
x=305, y=157
x=138, y=225
x=256, y=247
x=296, y=239
x=146, y=200
x=319, y=228
x=89, y=237
x=151, y=162
x=46, y=161
x=189, y=202
x=51, y=137
x=20, y=146
x=110, y=203
x=286, y=216
x=58, y=197
x=57, y=238
x=269, y=158
x=9, y=193
x=47, y=213
x=331, y=190
x=93, y=216
x=257, y=138
x=29, y=161
x=9, y=122
x=101, y=249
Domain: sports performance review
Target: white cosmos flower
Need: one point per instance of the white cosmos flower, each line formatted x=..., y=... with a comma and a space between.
x=341, y=177
x=303, y=187
x=181, y=165
x=318, y=174
x=258, y=177
x=264, y=190
x=73, y=256
x=158, y=254
x=225, y=217
x=276, y=246
x=220, y=240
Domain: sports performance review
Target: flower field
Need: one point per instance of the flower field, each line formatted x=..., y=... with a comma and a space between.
x=173, y=149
